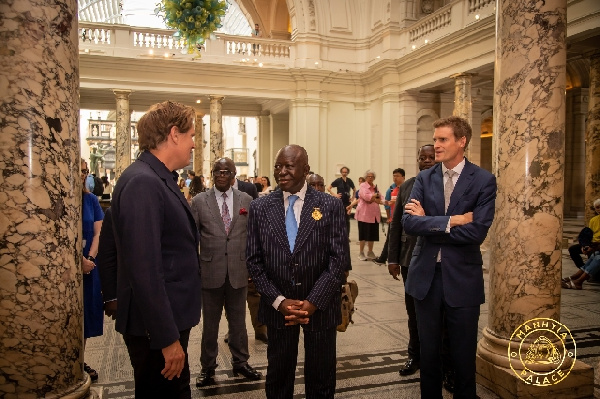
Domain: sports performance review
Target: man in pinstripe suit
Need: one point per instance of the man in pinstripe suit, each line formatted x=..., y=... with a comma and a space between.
x=299, y=278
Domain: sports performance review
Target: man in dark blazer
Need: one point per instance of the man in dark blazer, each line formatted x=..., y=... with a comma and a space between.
x=400, y=247
x=221, y=215
x=253, y=298
x=158, y=283
x=451, y=210
x=299, y=278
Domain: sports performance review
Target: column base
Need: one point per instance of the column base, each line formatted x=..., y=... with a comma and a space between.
x=505, y=383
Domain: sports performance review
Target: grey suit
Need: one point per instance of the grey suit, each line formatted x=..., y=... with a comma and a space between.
x=224, y=274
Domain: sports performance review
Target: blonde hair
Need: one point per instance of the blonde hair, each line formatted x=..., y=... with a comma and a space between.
x=155, y=125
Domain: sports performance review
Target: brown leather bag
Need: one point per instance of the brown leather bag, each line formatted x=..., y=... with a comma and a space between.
x=349, y=294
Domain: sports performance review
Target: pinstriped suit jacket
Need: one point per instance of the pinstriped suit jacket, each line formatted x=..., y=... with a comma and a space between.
x=313, y=271
x=221, y=254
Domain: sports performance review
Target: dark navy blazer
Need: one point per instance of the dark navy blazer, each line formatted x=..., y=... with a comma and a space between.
x=158, y=287
x=313, y=271
x=462, y=273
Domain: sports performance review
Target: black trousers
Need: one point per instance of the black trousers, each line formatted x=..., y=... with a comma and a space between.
x=414, y=346
x=383, y=257
x=319, y=362
x=147, y=364
x=461, y=324
x=575, y=253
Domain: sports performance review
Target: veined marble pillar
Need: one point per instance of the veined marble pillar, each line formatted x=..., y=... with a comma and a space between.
x=216, y=128
x=41, y=308
x=199, y=145
x=592, y=139
x=463, y=105
x=123, y=147
x=526, y=237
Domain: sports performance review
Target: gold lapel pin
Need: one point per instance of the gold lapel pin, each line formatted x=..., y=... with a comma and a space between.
x=317, y=215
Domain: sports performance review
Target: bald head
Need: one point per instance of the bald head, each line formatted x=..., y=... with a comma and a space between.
x=316, y=181
x=291, y=168
x=223, y=172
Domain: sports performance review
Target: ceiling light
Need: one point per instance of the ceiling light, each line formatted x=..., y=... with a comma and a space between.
x=198, y=101
x=87, y=50
x=317, y=63
x=414, y=47
x=426, y=41
x=260, y=64
x=151, y=52
x=378, y=57
x=167, y=55
x=477, y=16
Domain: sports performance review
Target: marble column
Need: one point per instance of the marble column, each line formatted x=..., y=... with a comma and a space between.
x=216, y=128
x=199, y=145
x=526, y=236
x=41, y=308
x=592, y=139
x=123, y=147
x=463, y=106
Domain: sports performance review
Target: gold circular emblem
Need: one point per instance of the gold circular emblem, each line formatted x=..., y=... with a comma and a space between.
x=540, y=351
x=317, y=215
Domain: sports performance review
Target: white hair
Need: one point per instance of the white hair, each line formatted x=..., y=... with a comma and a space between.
x=596, y=202
x=371, y=172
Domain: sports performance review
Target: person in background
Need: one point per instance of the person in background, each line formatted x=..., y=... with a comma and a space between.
x=196, y=187
x=316, y=181
x=575, y=250
x=401, y=246
x=266, y=187
x=368, y=215
x=591, y=268
x=91, y=221
x=345, y=191
x=190, y=175
x=89, y=182
x=296, y=255
x=256, y=32
x=354, y=202
x=158, y=277
x=389, y=203
x=107, y=185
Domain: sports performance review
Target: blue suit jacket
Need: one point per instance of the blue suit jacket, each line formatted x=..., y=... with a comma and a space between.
x=462, y=273
x=158, y=283
x=313, y=271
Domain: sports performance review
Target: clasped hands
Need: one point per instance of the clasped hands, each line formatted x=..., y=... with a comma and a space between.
x=296, y=311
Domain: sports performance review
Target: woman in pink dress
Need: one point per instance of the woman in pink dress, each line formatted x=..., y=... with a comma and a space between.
x=368, y=215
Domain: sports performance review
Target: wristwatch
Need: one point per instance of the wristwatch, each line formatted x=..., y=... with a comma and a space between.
x=90, y=257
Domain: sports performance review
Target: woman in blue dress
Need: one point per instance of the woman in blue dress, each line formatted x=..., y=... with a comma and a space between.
x=93, y=316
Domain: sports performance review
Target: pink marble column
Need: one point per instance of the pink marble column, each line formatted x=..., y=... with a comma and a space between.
x=526, y=237
x=216, y=128
x=123, y=127
x=41, y=309
x=463, y=105
x=199, y=145
x=592, y=139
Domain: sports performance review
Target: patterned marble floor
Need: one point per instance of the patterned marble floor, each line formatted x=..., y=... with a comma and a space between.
x=369, y=352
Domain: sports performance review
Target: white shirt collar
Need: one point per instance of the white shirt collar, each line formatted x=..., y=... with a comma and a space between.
x=458, y=168
x=301, y=194
x=220, y=193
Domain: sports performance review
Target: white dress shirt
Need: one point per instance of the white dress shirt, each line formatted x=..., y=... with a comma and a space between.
x=219, y=196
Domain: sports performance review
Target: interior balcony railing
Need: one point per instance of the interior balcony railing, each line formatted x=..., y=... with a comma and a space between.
x=129, y=41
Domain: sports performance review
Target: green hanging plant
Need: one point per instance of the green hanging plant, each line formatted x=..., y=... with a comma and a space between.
x=194, y=20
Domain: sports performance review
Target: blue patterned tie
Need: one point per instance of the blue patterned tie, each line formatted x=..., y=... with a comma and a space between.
x=291, y=226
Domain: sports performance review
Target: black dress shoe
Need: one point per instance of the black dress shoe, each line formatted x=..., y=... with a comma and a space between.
x=448, y=381
x=206, y=377
x=410, y=367
x=247, y=371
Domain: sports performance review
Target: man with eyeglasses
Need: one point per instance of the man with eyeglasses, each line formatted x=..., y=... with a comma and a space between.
x=221, y=215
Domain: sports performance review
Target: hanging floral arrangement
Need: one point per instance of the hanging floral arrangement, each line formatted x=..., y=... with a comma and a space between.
x=194, y=20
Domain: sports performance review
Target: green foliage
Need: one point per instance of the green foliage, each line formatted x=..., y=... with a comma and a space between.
x=194, y=20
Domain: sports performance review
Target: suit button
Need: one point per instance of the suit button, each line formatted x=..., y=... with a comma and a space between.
x=228, y=239
x=225, y=253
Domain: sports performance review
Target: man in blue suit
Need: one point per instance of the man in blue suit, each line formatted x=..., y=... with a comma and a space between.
x=296, y=257
x=451, y=209
x=158, y=274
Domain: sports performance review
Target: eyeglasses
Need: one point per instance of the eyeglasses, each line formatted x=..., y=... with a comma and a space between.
x=225, y=173
x=85, y=171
